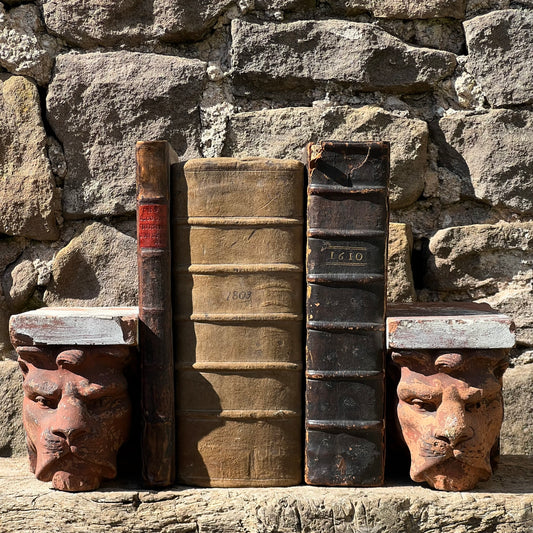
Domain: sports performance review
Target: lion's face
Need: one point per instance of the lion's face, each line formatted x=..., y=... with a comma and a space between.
x=450, y=425
x=76, y=413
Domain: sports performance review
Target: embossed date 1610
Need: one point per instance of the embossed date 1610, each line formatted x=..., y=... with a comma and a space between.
x=342, y=255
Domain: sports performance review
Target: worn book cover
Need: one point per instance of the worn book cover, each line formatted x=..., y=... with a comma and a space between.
x=238, y=300
x=347, y=222
x=154, y=159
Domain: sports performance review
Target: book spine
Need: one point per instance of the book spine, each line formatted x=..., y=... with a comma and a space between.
x=347, y=222
x=155, y=313
x=238, y=301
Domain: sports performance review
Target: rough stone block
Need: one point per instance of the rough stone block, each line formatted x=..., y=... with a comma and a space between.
x=499, y=55
x=475, y=7
x=100, y=104
x=25, y=47
x=19, y=283
x=10, y=249
x=400, y=284
x=501, y=252
x=276, y=56
x=518, y=303
x=130, y=21
x=502, y=504
x=285, y=132
x=401, y=9
x=492, y=153
x=28, y=197
x=284, y=5
x=517, y=427
x=442, y=35
x=97, y=268
x=12, y=440
x=491, y=263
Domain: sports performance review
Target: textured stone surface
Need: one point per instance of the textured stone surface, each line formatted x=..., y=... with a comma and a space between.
x=284, y=132
x=358, y=54
x=516, y=300
x=444, y=36
x=499, y=48
x=468, y=257
x=100, y=104
x=474, y=7
x=492, y=149
x=28, y=197
x=517, y=427
x=12, y=439
x=19, y=283
x=10, y=249
x=502, y=504
x=25, y=48
x=490, y=263
x=400, y=284
x=402, y=9
x=130, y=21
x=441, y=34
x=285, y=5
x=97, y=268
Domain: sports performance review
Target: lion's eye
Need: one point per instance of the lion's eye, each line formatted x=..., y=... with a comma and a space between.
x=48, y=403
x=474, y=407
x=103, y=403
x=422, y=405
x=106, y=403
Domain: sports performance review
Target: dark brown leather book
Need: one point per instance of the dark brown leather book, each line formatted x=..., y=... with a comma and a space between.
x=347, y=223
x=238, y=283
x=154, y=159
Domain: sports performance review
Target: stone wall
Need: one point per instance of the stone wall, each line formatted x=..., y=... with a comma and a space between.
x=448, y=82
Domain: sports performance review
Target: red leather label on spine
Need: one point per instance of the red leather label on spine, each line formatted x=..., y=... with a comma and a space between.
x=152, y=229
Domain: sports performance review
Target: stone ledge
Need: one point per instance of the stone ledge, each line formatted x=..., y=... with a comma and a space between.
x=503, y=504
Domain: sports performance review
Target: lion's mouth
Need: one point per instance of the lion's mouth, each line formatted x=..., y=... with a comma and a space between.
x=81, y=458
x=440, y=455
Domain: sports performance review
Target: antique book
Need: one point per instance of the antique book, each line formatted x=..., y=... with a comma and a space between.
x=154, y=159
x=347, y=222
x=238, y=299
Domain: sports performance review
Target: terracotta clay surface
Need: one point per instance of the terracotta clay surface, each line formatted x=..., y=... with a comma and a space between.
x=450, y=411
x=76, y=412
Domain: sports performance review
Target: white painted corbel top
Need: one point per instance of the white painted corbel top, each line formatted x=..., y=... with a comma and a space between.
x=88, y=326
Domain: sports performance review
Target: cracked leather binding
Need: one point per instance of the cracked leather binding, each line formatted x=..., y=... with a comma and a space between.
x=238, y=283
x=347, y=223
x=154, y=159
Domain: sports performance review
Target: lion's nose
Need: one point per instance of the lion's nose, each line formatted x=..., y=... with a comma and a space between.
x=455, y=436
x=68, y=433
x=451, y=424
x=70, y=419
